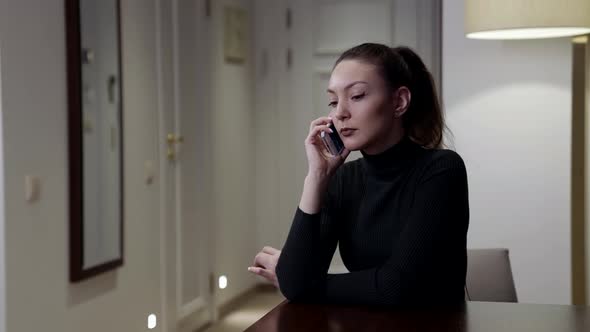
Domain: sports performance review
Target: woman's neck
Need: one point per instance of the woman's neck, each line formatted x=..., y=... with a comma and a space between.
x=396, y=135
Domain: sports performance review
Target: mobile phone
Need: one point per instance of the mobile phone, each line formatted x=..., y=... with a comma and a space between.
x=332, y=141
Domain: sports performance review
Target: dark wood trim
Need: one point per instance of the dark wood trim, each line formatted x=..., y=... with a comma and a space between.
x=121, y=139
x=579, y=212
x=75, y=146
x=427, y=316
x=74, y=81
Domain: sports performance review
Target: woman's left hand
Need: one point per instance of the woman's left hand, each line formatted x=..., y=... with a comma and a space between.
x=265, y=263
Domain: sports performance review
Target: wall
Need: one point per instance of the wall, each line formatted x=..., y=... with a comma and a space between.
x=509, y=107
x=586, y=236
x=232, y=124
x=2, y=219
x=34, y=106
x=32, y=31
x=269, y=54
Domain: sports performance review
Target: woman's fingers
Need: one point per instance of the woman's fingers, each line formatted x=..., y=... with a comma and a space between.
x=262, y=272
x=255, y=269
x=270, y=250
x=262, y=259
x=320, y=121
x=267, y=274
x=315, y=131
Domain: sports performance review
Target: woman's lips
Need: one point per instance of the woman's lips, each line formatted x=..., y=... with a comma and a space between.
x=347, y=131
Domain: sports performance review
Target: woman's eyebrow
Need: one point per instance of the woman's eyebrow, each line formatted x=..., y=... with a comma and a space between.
x=348, y=86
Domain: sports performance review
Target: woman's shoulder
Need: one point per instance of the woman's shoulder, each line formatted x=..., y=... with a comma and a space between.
x=442, y=157
x=441, y=160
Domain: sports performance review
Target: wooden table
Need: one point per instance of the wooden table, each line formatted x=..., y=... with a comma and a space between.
x=473, y=317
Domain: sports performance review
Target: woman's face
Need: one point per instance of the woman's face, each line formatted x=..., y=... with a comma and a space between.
x=362, y=106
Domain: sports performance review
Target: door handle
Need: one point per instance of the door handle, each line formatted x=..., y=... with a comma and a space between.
x=172, y=139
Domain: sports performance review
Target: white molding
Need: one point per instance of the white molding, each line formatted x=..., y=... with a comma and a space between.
x=164, y=293
x=337, y=49
x=322, y=71
x=175, y=315
x=177, y=166
x=202, y=300
x=430, y=36
x=329, y=51
x=319, y=76
x=2, y=216
x=423, y=35
x=196, y=319
x=191, y=308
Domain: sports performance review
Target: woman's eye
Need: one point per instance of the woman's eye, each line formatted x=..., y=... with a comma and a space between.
x=358, y=97
x=332, y=104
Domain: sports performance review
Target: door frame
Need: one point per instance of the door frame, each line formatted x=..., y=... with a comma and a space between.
x=175, y=316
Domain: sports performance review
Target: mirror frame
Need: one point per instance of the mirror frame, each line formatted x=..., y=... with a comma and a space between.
x=76, y=144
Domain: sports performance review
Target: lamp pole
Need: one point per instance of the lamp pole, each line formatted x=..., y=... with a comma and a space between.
x=580, y=200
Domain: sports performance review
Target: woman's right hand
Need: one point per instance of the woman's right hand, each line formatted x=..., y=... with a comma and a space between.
x=321, y=163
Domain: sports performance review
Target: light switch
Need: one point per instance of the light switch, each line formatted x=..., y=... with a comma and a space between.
x=149, y=172
x=32, y=188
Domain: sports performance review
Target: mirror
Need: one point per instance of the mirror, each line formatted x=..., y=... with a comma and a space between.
x=95, y=136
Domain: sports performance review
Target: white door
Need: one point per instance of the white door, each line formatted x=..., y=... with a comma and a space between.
x=182, y=37
x=320, y=30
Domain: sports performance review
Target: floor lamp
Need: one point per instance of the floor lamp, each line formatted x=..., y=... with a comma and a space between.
x=532, y=19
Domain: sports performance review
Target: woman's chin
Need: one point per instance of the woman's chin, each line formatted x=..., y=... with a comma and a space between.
x=355, y=143
x=352, y=146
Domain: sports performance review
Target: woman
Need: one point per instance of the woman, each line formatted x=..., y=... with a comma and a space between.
x=400, y=214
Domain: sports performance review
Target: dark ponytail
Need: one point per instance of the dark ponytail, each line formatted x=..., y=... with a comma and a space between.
x=400, y=66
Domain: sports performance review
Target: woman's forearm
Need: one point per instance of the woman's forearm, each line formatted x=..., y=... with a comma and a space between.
x=314, y=188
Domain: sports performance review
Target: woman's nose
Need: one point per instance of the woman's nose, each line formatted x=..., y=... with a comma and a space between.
x=341, y=112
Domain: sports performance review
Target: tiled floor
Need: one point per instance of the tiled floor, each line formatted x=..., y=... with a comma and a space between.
x=252, y=310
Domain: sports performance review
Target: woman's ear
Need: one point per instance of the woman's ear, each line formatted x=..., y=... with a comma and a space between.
x=403, y=98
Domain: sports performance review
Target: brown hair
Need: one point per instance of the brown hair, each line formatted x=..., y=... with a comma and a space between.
x=400, y=66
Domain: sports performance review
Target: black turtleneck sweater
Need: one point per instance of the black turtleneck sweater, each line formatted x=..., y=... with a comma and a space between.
x=400, y=219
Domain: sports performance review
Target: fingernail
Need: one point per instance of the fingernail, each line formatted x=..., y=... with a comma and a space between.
x=250, y=269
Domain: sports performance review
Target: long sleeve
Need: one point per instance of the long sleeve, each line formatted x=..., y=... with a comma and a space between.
x=427, y=261
x=307, y=253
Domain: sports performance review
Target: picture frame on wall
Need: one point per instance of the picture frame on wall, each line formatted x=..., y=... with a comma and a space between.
x=235, y=34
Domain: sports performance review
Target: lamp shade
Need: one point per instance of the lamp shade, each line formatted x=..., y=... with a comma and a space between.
x=526, y=19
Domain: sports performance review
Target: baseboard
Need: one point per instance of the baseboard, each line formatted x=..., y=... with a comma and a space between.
x=241, y=298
